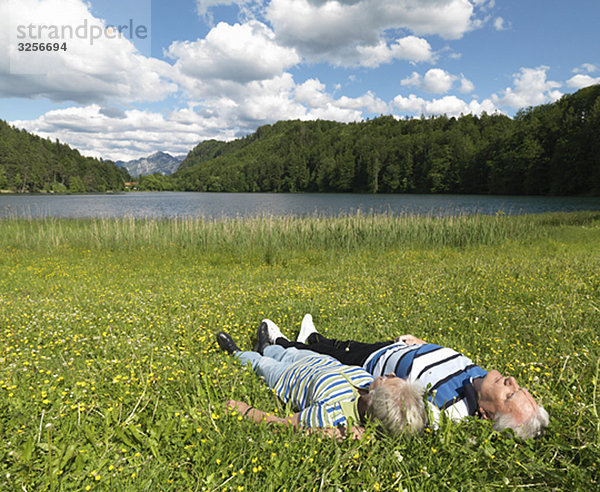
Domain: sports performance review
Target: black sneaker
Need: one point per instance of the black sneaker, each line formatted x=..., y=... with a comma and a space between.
x=262, y=338
x=226, y=342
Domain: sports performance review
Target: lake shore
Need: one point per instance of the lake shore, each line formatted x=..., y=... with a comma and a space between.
x=212, y=205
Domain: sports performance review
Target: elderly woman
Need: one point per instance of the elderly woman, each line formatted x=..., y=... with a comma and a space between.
x=333, y=398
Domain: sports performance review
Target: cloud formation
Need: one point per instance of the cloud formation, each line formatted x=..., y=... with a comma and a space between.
x=437, y=81
x=582, y=78
x=447, y=105
x=580, y=81
x=500, y=24
x=346, y=32
x=126, y=134
x=88, y=71
x=530, y=89
x=240, y=53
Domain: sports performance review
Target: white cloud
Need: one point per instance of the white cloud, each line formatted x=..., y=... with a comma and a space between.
x=130, y=135
x=312, y=93
x=203, y=6
x=453, y=106
x=367, y=102
x=265, y=101
x=407, y=48
x=530, y=89
x=239, y=53
x=322, y=105
x=438, y=81
x=466, y=86
x=411, y=104
x=447, y=105
x=413, y=80
x=435, y=81
x=343, y=32
x=580, y=81
x=89, y=70
x=500, y=24
x=586, y=68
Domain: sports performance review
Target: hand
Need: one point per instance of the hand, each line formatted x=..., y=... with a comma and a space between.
x=238, y=406
x=339, y=433
x=410, y=340
x=259, y=416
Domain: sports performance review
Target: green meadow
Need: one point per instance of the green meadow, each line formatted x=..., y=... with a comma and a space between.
x=110, y=377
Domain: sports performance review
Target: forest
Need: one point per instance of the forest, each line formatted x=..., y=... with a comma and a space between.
x=29, y=163
x=551, y=149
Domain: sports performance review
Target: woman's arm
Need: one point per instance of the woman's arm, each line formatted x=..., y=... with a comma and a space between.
x=258, y=416
x=338, y=432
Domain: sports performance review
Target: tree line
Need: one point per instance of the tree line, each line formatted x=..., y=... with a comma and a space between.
x=29, y=163
x=551, y=149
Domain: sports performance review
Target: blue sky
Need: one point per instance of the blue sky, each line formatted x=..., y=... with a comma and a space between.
x=221, y=68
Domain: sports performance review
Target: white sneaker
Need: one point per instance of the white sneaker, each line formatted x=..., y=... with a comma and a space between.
x=307, y=328
x=273, y=330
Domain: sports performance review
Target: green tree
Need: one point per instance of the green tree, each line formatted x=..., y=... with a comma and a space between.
x=3, y=178
x=76, y=185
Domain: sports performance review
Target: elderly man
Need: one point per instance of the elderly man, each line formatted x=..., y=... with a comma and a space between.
x=332, y=398
x=454, y=385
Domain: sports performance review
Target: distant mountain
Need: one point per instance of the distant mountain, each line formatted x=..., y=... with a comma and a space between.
x=159, y=162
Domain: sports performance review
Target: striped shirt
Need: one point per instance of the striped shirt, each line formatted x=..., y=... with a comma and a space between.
x=318, y=385
x=445, y=375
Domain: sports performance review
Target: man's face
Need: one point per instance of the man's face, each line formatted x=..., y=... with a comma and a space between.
x=502, y=394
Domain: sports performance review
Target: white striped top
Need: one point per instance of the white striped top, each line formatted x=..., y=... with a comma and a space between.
x=445, y=375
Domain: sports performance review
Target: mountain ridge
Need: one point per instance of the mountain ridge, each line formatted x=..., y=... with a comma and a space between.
x=159, y=162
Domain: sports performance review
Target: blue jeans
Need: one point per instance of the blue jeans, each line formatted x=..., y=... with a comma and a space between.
x=274, y=362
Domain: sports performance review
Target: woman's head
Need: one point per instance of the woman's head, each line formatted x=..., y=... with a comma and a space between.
x=397, y=404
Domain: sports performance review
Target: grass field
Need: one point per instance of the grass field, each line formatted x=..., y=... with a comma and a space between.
x=110, y=378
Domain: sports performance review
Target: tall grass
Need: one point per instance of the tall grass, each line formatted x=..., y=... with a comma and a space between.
x=241, y=236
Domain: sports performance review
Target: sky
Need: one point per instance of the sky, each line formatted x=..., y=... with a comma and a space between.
x=126, y=78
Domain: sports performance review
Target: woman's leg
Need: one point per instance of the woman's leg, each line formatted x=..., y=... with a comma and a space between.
x=275, y=361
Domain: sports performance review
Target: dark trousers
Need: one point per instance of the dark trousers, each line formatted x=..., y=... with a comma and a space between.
x=347, y=352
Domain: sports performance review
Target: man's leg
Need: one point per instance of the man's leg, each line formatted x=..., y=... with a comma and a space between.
x=348, y=352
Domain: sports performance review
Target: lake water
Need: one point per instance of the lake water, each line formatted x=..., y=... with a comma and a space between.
x=218, y=205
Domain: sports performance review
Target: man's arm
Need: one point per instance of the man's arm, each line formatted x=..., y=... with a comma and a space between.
x=410, y=340
x=258, y=416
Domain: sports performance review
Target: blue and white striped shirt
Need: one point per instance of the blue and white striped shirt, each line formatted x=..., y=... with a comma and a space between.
x=318, y=385
x=445, y=375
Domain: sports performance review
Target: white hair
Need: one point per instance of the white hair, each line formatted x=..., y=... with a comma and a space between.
x=532, y=427
x=399, y=408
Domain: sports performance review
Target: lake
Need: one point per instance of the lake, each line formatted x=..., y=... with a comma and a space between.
x=218, y=205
